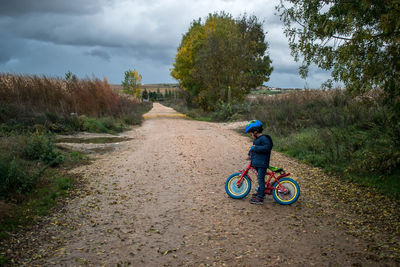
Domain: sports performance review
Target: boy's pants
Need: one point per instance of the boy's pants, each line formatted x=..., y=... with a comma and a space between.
x=261, y=182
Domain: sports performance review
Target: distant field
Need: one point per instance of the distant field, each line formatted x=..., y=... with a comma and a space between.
x=162, y=87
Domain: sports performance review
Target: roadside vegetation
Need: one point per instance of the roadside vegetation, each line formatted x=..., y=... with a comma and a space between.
x=32, y=110
x=353, y=137
x=57, y=105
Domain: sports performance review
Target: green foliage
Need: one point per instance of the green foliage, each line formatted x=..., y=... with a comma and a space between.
x=221, y=59
x=93, y=125
x=352, y=153
x=132, y=82
x=155, y=96
x=70, y=77
x=41, y=147
x=230, y=111
x=12, y=177
x=223, y=111
x=145, y=94
x=358, y=40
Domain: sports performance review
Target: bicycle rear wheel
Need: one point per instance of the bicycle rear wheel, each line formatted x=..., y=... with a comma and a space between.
x=287, y=192
x=235, y=191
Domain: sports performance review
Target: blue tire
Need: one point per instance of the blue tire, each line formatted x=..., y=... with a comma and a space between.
x=235, y=191
x=288, y=197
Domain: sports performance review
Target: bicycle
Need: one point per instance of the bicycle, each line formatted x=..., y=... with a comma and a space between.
x=285, y=190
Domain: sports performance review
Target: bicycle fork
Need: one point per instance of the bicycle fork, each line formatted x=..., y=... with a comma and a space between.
x=239, y=182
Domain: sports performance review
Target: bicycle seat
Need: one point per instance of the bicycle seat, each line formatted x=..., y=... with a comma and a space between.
x=275, y=169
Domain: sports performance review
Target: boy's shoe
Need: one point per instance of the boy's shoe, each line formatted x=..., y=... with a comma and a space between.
x=257, y=201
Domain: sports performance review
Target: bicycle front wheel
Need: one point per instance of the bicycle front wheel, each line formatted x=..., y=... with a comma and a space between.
x=235, y=191
x=287, y=192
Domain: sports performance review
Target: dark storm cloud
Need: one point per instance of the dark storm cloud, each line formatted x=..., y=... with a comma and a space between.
x=90, y=25
x=23, y=7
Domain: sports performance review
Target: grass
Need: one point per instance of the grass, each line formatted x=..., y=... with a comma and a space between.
x=39, y=202
x=55, y=123
x=21, y=209
x=340, y=157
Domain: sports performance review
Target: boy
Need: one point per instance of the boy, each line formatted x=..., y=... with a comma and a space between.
x=259, y=154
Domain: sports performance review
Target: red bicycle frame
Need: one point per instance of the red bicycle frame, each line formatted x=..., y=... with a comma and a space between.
x=268, y=187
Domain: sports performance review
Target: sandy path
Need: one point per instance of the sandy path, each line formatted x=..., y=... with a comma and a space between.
x=160, y=201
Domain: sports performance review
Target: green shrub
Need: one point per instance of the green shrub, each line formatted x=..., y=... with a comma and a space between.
x=377, y=154
x=112, y=124
x=132, y=118
x=223, y=112
x=12, y=177
x=108, y=123
x=102, y=125
x=41, y=147
x=230, y=111
x=8, y=112
x=92, y=125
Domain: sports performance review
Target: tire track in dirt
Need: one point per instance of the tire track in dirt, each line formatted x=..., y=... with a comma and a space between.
x=160, y=201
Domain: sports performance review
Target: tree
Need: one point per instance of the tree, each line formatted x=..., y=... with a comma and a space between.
x=159, y=94
x=132, y=82
x=145, y=94
x=359, y=41
x=70, y=77
x=222, y=59
x=153, y=96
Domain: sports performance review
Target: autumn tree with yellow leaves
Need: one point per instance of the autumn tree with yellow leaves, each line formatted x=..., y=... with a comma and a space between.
x=131, y=83
x=221, y=59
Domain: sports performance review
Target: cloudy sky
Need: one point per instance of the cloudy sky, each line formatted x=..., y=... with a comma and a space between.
x=106, y=37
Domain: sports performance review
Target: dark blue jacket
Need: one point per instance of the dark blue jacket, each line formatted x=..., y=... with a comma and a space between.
x=262, y=152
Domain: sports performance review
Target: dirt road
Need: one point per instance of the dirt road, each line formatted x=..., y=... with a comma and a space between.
x=160, y=201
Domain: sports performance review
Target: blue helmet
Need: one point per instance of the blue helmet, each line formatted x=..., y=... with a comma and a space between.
x=253, y=124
